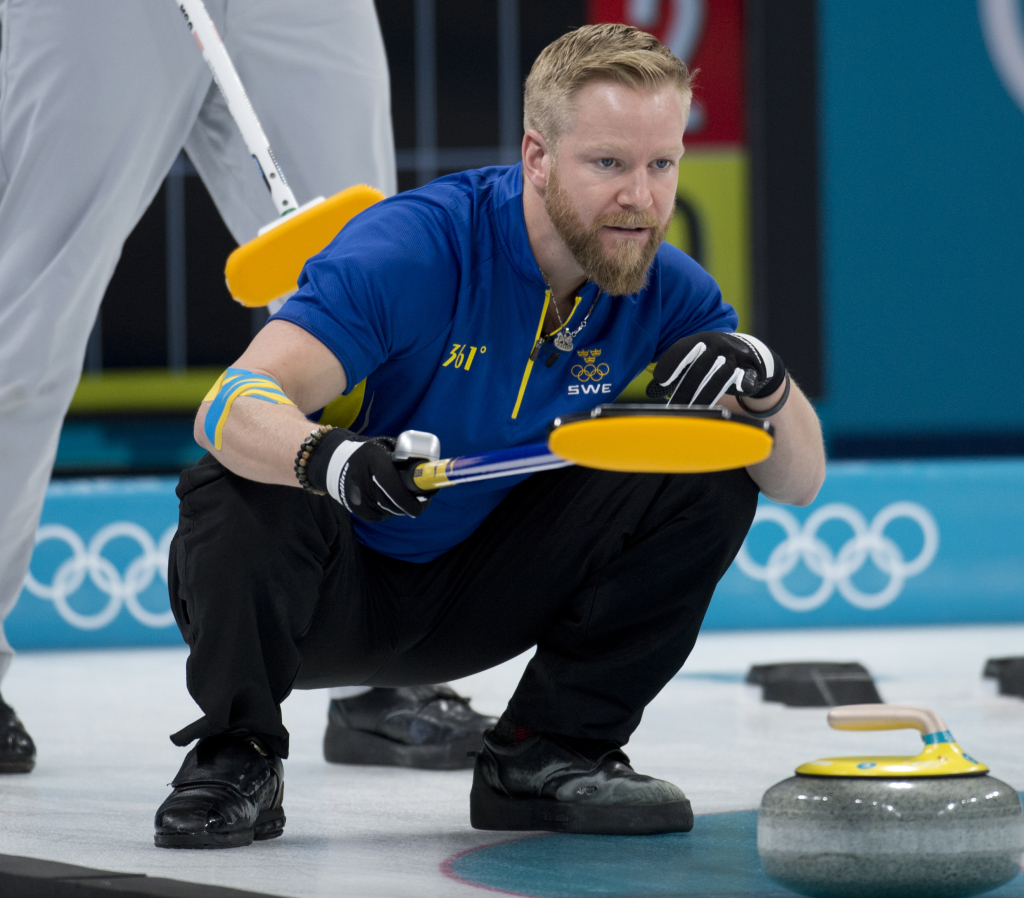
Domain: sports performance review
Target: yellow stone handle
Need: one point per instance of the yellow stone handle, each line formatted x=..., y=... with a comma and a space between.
x=941, y=756
x=885, y=717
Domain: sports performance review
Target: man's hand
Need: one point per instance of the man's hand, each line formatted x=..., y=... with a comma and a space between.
x=358, y=472
x=702, y=368
x=711, y=367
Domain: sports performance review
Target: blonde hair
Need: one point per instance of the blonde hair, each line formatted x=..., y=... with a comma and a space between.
x=607, y=52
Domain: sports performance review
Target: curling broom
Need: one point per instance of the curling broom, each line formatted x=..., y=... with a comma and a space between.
x=267, y=268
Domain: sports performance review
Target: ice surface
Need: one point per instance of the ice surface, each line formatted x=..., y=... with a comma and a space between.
x=101, y=719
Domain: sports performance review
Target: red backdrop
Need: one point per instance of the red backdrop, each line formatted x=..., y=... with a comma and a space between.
x=706, y=34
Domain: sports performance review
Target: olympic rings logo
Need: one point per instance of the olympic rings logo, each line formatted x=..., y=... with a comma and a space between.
x=90, y=562
x=836, y=570
x=590, y=371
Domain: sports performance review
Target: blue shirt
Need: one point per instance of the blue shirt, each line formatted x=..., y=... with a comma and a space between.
x=434, y=298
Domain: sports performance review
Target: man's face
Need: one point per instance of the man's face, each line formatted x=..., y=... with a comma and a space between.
x=611, y=189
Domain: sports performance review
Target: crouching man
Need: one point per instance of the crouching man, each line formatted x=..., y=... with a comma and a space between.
x=472, y=308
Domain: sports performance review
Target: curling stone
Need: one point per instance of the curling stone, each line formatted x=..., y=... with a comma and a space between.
x=933, y=825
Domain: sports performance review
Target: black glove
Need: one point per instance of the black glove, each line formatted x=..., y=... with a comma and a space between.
x=702, y=368
x=359, y=473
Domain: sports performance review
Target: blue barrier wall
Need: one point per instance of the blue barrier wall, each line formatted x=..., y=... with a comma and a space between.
x=884, y=543
x=922, y=190
x=98, y=576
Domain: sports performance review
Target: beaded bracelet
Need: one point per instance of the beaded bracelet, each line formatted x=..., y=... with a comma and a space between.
x=774, y=410
x=305, y=453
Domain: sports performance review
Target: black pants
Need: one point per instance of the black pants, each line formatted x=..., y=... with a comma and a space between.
x=609, y=575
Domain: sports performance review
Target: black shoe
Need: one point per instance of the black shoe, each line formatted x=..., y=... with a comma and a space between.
x=417, y=726
x=227, y=793
x=549, y=783
x=17, y=750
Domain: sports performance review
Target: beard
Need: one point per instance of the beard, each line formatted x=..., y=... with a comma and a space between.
x=625, y=270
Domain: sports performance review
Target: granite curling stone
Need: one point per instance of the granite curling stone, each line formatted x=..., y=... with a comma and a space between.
x=933, y=825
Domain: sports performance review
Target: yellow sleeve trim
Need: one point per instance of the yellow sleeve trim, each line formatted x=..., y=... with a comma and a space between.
x=344, y=410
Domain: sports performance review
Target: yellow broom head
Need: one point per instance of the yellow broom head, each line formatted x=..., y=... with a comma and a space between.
x=268, y=267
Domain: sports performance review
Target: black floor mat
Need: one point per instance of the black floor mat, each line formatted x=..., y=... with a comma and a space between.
x=29, y=877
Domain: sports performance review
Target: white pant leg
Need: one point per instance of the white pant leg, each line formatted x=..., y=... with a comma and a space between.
x=96, y=100
x=317, y=76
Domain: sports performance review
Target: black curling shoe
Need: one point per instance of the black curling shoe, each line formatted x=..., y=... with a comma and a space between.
x=17, y=750
x=430, y=727
x=227, y=793
x=547, y=783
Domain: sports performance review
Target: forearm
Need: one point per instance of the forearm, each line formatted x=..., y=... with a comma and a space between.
x=795, y=470
x=259, y=441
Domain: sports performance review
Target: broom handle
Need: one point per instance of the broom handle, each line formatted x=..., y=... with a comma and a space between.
x=216, y=56
x=432, y=475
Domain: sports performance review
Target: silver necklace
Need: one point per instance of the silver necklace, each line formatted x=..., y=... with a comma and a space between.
x=563, y=336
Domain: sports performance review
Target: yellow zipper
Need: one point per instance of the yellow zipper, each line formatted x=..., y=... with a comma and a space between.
x=529, y=362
